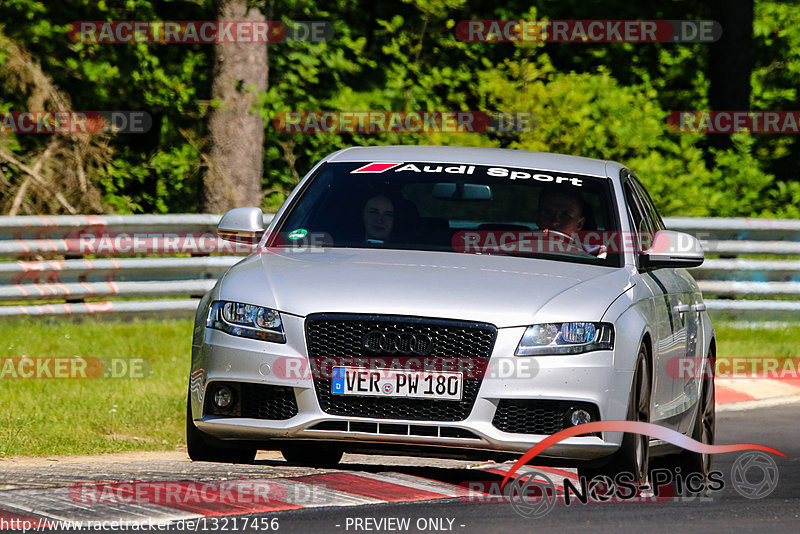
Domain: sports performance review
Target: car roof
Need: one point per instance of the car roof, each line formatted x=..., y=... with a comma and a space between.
x=477, y=156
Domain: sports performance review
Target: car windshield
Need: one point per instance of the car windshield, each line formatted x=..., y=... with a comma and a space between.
x=458, y=208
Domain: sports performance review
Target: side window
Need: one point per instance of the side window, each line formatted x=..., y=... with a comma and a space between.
x=641, y=222
x=649, y=207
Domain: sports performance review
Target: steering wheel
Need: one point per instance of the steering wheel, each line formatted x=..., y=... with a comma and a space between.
x=573, y=241
x=556, y=233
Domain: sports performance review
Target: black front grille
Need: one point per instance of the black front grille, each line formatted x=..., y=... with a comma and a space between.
x=536, y=416
x=255, y=401
x=338, y=340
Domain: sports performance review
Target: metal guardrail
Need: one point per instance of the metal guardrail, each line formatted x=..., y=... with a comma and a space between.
x=747, y=287
x=76, y=265
x=43, y=226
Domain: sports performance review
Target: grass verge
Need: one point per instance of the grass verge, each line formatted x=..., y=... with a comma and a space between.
x=779, y=341
x=88, y=416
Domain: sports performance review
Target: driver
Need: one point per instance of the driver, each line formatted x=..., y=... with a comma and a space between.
x=560, y=210
x=378, y=217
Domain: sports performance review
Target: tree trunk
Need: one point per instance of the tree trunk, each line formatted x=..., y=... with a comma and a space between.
x=236, y=136
x=731, y=61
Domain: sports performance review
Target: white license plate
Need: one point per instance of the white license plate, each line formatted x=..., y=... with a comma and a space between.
x=397, y=383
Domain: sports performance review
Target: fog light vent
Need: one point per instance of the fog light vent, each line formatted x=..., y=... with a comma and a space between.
x=579, y=416
x=223, y=397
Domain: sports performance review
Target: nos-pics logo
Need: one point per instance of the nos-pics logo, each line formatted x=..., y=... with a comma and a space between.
x=533, y=494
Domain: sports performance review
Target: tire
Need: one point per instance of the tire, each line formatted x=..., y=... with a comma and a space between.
x=312, y=454
x=200, y=451
x=703, y=431
x=633, y=455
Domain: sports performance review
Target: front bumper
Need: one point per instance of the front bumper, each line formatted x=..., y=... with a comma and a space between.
x=586, y=378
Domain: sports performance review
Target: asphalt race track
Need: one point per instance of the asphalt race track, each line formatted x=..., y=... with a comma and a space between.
x=727, y=512
x=386, y=494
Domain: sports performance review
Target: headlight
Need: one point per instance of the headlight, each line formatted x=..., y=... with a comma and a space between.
x=246, y=320
x=565, y=338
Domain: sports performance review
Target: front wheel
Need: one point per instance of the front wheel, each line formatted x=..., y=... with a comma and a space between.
x=703, y=431
x=633, y=455
x=200, y=451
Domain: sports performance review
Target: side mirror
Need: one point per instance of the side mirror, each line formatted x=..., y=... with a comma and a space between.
x=242, y=225
x=673, y=249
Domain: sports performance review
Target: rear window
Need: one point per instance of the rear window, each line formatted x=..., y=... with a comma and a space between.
x=451, y=207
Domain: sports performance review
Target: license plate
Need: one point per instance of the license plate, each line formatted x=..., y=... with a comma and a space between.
x=397, y=383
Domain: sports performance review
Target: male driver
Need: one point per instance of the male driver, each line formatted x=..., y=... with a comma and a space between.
x=378, y=219
x=560, y=210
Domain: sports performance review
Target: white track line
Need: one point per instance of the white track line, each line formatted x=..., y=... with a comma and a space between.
x=420, y=483
x=760, y=388
x=56, y=503
x=309, y=495
x=759, y=403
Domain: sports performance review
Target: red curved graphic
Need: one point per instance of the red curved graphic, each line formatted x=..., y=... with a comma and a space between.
x=636, y=427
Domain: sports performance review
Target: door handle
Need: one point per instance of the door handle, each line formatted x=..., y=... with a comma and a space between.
x=700, y=307
x=681, y=308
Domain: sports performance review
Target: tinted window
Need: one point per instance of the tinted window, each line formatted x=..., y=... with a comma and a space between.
x=641, y=223
x=455, y=208
x=650, y=210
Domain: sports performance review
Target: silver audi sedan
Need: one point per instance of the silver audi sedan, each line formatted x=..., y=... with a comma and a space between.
x=454, y=302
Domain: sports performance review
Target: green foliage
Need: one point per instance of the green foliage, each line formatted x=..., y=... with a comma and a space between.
x=151, y=172
x=775, y=82
x=608, y=121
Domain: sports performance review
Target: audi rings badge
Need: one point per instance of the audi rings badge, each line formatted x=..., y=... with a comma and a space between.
x=378, y=342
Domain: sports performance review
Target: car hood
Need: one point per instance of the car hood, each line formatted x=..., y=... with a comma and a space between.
x=501, y=290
